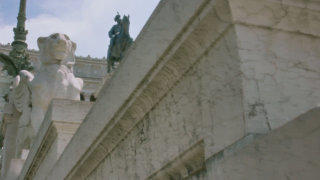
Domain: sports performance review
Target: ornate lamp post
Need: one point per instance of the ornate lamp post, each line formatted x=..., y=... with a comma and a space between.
x=18, y=57
x=19, y=46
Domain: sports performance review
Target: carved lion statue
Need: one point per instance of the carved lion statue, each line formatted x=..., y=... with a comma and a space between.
x=32, y=94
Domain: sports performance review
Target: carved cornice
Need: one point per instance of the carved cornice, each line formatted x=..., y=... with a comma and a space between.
x=185, y=165
x=190, y=45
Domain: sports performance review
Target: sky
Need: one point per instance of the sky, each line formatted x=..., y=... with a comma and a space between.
x=86, y=22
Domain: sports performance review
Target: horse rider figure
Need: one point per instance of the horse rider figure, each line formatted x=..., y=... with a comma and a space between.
x=120, y=41
x=114, y=33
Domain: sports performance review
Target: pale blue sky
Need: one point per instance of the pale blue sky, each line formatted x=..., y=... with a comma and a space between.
x=86, y=21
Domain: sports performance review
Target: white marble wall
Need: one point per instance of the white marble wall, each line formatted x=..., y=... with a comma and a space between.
x=202, y=81
x=290, y=152
x=205, y=105
x=261, y=73
x=279, y=49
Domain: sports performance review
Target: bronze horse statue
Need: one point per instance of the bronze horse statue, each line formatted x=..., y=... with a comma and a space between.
x=120, y=45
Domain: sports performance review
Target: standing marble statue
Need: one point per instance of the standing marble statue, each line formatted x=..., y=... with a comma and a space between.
x=120, y=40
x=32, y=94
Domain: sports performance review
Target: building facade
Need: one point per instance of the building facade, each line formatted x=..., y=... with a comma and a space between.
x=210, y=89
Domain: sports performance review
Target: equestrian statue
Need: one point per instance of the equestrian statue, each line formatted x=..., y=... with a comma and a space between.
x=120, y=40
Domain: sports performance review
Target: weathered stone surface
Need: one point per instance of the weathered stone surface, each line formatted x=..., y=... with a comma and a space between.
x=289, y=15
x=280, y=71
x=290, y=152
x=130, y=76
x=214, y=83
x=204, y=81
x=61, y=122
x=278, y=42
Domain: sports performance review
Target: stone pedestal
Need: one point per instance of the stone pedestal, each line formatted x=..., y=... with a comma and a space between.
x=61, y=122
x=9, y=130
